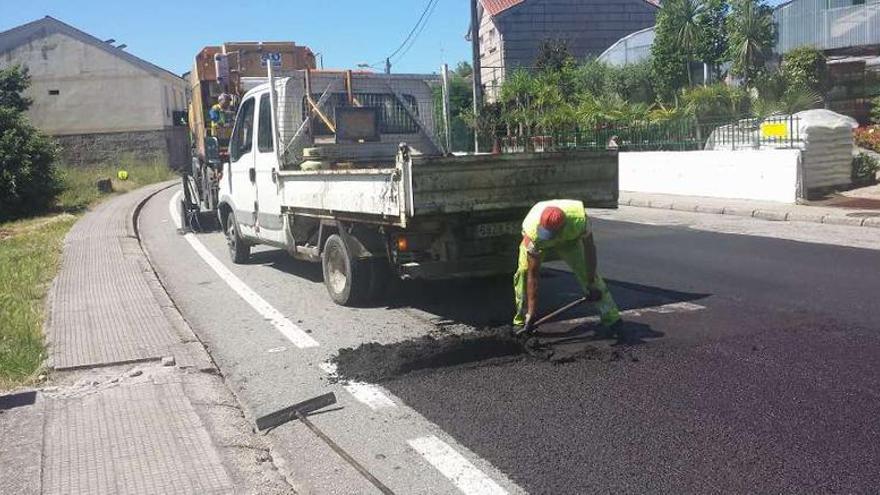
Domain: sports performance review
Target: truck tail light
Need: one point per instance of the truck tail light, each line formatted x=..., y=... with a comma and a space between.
x=402, y=244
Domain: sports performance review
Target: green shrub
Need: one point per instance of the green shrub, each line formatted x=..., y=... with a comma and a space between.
x=28, y=182
x=806, y=67
x=875, y=110
x=864, y=169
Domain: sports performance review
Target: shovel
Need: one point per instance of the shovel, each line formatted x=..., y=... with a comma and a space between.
x=559, y=311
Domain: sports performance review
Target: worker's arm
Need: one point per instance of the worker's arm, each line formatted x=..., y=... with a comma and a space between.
x=532, y=276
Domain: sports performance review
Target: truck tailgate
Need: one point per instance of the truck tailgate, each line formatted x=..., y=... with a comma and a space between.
x=492, y=182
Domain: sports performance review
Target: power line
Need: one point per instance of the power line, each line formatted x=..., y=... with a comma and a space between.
x=424, y=25
x=411, y=32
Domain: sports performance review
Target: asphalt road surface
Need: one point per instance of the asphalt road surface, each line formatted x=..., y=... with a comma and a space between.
x=751, y=366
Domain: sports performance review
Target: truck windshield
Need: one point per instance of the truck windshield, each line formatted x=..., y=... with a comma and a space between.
x=393, y=118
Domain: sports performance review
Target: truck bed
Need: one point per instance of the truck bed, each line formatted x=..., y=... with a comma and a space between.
x=437, y=185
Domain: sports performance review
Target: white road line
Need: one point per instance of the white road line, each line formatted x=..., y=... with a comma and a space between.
x=367, y=393
x=287, y=328
x=679, y=307
x=466, y=476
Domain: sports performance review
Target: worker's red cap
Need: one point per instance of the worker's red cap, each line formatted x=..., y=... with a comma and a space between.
x=552, y=218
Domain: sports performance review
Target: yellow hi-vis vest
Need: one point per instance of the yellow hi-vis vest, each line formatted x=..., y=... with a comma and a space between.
x=575, y=225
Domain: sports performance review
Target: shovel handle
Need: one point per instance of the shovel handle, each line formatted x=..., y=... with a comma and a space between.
x=560, y=310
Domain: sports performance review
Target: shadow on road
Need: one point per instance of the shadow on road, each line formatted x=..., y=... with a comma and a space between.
x=282, y=261
x=488, y=301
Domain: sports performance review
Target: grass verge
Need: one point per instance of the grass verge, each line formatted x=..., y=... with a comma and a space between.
x=30, y=253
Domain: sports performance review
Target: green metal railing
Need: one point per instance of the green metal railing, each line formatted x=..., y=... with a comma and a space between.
x=778, y=132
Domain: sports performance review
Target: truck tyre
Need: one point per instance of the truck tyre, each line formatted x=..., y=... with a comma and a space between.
x=347, y=279
x=239, y=249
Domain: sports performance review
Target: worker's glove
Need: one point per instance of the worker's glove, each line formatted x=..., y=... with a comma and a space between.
x=593, y=294
x=525, y=328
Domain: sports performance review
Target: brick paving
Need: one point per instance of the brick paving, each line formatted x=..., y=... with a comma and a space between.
x=140, y=438
x=128, y=436
x=102, y=310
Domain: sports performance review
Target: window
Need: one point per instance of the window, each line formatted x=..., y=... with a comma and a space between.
x=243, y=133
x=393, y=118
x=54, y=92
x=265, y=143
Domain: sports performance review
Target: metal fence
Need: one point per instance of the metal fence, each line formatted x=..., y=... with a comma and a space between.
x=777, y=132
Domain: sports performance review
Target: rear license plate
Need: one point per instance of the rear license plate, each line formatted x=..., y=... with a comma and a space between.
x=497, y=229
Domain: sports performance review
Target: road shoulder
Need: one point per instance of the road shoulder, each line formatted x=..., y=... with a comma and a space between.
x=133, y=403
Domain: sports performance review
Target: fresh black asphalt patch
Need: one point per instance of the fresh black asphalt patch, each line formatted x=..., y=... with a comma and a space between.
x=375, y=363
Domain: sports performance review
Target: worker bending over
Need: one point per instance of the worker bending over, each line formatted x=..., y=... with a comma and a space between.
x=560, y=225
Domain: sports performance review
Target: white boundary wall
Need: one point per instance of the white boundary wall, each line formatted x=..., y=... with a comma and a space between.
x=769, y=175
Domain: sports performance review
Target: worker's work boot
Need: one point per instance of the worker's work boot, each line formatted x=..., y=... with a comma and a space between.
x=615, y=330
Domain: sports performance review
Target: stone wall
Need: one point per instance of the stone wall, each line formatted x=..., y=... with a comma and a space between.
x=170, y=145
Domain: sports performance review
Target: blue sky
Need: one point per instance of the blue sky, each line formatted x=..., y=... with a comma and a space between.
x=347, y=32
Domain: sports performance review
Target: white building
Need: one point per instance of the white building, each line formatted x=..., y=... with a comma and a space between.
x=99, y=101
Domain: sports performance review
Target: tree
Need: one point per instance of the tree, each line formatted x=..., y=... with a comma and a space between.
x=13, y=81
x=670, y=59
x=463, y=69
x=553, y=55
x=806, y=67
x=712, y=47
x=687, y=31
x=751, y=35
x=28, y=180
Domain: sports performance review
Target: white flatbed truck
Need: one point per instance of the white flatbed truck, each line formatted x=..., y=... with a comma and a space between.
x=349, y=174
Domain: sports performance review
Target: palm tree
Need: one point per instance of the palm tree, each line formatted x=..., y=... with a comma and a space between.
x=752, y=34
x=684, y=17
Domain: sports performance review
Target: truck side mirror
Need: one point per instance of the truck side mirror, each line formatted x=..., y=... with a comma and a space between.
x=212, y=150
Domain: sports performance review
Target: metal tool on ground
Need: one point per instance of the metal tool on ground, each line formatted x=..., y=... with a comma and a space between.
x=345, y=455
x=303, y=408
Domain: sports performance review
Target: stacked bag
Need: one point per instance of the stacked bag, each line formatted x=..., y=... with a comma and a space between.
x=827, y=143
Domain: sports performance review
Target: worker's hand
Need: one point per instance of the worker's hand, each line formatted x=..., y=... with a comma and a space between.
x=593, y=295
x=525, y=328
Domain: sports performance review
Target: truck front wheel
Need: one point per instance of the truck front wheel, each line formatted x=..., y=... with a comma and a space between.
x=347, y=279
x=239, y=250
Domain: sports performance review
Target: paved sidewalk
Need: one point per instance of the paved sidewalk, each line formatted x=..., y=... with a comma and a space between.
x=765, y=210
x=134, y=404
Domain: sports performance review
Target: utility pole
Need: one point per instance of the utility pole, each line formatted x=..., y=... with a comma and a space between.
x=477, y=76
x=388, y=66
x=444, y=79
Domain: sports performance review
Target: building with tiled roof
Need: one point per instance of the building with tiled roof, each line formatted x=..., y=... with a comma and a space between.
x=101, y=103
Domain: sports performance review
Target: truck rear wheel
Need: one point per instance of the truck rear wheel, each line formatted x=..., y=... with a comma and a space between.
x=239, y=249
x=347, y=279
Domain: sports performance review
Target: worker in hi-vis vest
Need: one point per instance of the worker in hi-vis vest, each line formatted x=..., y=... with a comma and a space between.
x=218, y=112
x=562, y=226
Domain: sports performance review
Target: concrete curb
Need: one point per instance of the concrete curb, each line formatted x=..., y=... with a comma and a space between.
x=192, y=352
x=769, y=215
x=131, y=227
